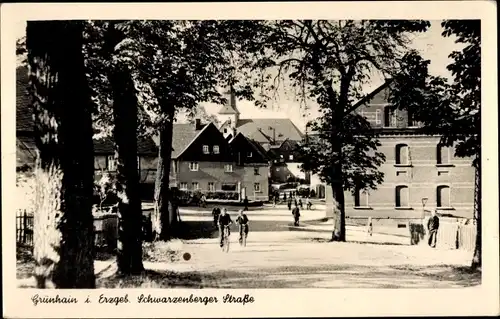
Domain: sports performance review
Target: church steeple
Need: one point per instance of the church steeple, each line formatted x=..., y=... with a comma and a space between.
x=229, y=114
x=230, y=106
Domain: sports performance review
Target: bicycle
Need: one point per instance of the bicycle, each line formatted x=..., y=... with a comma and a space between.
x=225, y=241
x=244, y=235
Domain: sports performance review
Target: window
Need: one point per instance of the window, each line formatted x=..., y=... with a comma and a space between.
x=111, y=163
x=402, y=196
x=183, y=186
x=290, y=157
x=228, y=187
x=443, y=196
x=390, y=117
x=228, y=168
x=225, y=130
x=256, y=171
x=216, y=149
x=256, y=187
x=402, y=152
x=100, y=162
x=211, y=186
x=443, y=155
x=378, y=119
x=193, y=166
x=361, y=198
x=249, y=154
x=195, y=185
x=206, y=149
x=281, y=156
x=411, y=118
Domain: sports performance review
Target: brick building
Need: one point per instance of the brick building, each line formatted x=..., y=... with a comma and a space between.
x=417, y=168
x=203, y=160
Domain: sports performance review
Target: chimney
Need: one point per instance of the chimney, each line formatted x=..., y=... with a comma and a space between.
x=197, y=124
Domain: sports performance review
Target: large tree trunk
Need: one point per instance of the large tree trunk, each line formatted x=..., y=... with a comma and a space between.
x=476, y=259
x=337, y=179
x=161, y=216
x=63, y=222
x=129, y=257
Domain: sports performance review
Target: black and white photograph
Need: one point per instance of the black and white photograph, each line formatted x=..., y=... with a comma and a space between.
x=247, y=154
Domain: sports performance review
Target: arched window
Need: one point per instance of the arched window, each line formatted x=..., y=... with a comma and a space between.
x=443, y=196
x=402, y=196
x=402, y=154
x=361, y=198
x=442, y=154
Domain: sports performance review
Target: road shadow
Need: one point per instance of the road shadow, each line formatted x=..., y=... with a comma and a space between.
x=325, y=276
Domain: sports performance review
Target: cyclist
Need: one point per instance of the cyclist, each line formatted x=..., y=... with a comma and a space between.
x=242, y=221
x=224, y=221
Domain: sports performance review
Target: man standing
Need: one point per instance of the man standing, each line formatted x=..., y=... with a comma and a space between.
x=290, y=203
x=296, y=215
x=433, y=226
x=224, y=220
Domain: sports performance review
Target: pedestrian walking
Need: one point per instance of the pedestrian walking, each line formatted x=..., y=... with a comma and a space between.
x=433, y=226
x=290, y=203
x=215, y=213
x=296, y=215
x=369, y=226
x=308, y=203
x=245, y=202
x=284, y=197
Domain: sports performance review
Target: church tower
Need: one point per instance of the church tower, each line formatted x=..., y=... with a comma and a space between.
x=229, y=114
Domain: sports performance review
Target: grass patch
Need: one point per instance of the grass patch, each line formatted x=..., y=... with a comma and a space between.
x=170, y=251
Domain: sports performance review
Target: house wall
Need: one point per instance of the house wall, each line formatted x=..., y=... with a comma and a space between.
x=422, y=178
x=214, y=172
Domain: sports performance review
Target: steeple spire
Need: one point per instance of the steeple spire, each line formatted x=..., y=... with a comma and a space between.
x=230, y=106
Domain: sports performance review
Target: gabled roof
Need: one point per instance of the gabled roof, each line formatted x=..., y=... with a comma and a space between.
x=256, y=146
x=261, y=130
x=183, y=136
x=372, y=97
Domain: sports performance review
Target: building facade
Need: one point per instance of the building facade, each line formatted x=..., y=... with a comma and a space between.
x=203, y=160
x=418, y=170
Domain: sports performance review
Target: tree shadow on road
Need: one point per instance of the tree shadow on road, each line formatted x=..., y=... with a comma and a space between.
x=325, y=276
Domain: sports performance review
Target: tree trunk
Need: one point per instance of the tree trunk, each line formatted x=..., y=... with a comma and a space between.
x=338, y=233
x=63, y=221
x=337, y=179
x=476, y=259
x=125, y=115
x=161, y=215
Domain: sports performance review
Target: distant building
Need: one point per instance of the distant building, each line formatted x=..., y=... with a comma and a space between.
x=103, y=149
x=203, y=160
x=277, y=136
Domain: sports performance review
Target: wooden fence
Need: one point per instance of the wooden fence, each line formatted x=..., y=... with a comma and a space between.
x=24, y=228
x=451, y=235
x=105, y=230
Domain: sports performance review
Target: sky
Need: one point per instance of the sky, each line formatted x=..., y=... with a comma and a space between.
x=430, y=44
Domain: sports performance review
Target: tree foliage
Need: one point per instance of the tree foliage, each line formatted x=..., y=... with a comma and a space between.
x=330, y=62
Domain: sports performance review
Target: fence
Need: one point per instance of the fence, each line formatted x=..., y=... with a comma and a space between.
x=24, y=228
x=451, y=235
x=105, y=230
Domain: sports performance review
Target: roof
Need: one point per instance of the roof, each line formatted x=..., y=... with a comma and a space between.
x=145, y=146
x=25, y=123
x=262, y=130
x=183, y=135
x=256, y=146
x=24, y=116
x=227, y=109
x=373, y=98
